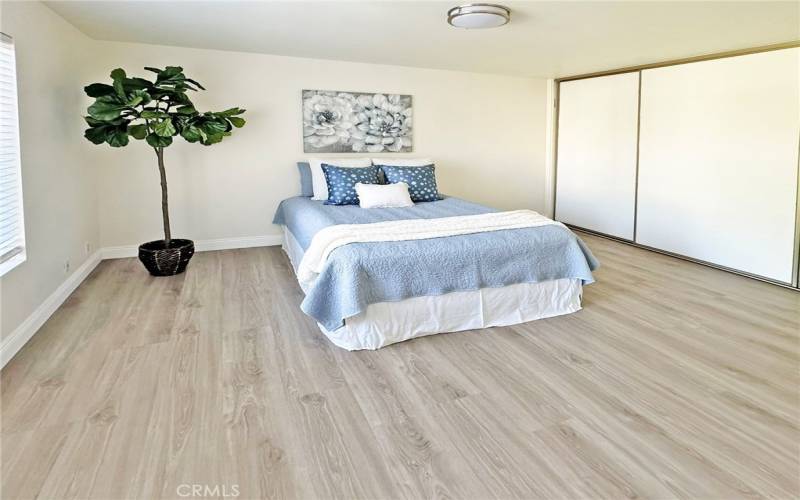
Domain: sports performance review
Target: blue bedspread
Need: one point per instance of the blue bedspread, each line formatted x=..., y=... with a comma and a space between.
x=360, y=274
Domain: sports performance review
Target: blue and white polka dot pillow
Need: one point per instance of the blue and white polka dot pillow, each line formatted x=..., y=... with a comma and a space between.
x=421, y=181
x=342, y=183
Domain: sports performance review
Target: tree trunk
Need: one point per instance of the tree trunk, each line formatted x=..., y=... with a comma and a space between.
x=164, y=198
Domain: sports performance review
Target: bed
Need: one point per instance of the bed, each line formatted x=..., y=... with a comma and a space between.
x=370, y=294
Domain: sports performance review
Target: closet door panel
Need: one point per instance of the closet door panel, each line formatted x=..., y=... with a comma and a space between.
x=596, y=176
x=718, y=161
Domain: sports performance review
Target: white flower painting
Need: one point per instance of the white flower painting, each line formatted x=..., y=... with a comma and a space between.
x=352, y=122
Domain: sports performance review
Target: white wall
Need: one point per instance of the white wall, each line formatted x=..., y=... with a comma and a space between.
x=486, y=133
x=58, y=178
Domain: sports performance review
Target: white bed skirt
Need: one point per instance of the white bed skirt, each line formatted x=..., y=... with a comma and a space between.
x=386, y=323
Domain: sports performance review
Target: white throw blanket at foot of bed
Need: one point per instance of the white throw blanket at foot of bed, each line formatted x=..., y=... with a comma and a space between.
x=332, y=237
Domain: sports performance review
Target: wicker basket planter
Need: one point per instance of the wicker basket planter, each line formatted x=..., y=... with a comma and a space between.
x=163, y=260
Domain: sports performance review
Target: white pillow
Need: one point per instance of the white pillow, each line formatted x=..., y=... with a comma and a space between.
x=403, y=162
x=383, y=195
x=318, y=176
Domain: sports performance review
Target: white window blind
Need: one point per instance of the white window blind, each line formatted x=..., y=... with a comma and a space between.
x=12, y=232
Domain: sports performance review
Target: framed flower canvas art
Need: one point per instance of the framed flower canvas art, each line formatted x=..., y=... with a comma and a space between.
x=354, y=122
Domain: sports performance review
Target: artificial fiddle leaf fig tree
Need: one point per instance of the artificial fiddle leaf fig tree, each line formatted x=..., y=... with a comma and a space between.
x=156, y=112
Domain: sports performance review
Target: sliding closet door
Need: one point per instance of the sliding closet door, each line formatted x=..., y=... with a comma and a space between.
x=718, y=161
x=596, y=176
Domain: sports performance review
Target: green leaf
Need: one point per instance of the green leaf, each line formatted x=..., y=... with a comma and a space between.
x=132, y=84
x=96, y=134
x=118, y=75
x=193, y=134
x=138, y=131
x=196, y=83
x=92, y=122
x=105, y=108
x=180, y=98
x=116, y=121
x=180, y=122
x=213, y=139
x=117, y=138
x=230, y=112
x=165, y=128
x=150, y=114
x=98, y=89
x=186, y=110
x=213, y=127
x=138, y=98
x=170, y=75
x=237, y=122
x=157, y=141
x=154, y=70
x=172, y=70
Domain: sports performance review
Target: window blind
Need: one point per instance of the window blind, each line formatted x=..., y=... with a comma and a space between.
x=12, y=233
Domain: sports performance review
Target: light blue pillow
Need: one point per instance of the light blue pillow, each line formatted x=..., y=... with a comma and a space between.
x=306, y=184
x=421, y=181
x=342, y=183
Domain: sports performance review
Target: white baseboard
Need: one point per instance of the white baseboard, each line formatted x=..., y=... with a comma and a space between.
x=244, y=242
x=119, y=252
x=23, y=333
x=269, y=240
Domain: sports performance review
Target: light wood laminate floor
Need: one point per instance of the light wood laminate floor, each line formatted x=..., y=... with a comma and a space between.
x=675, y=380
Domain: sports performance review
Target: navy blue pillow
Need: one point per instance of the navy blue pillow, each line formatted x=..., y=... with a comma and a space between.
x=421, y=181
x=342, y=183
x=306, y=184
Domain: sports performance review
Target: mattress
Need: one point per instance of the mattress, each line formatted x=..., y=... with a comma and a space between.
x=386, y=323
x=362, y=273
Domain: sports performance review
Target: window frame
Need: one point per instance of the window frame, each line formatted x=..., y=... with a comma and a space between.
x=15, y=258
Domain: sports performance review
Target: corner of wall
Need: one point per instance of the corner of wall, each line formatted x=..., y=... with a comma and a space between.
x=550, y=148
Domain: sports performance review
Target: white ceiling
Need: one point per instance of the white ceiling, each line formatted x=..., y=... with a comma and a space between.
x=548, y=39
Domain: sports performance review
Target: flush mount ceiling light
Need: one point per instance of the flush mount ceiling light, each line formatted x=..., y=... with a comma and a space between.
x=478, y=15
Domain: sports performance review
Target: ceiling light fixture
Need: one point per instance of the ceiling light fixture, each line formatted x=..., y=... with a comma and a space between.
x=478, y=15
